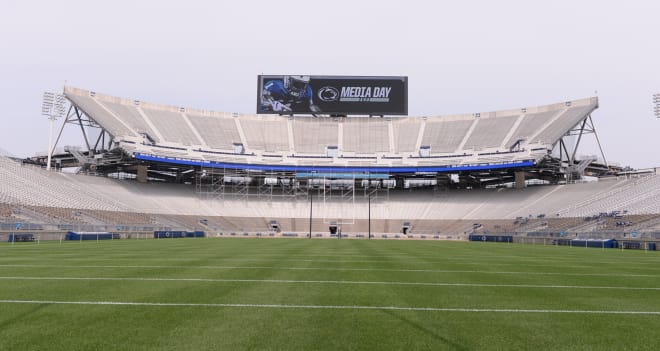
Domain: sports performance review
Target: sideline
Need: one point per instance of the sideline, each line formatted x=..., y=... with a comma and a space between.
x=338, y=282
x=328, y=307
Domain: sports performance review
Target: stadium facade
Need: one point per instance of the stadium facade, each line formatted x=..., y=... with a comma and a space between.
x=434, y=176
x=412, y=146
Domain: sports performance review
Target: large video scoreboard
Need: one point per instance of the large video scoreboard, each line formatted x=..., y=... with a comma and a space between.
x=342, y=95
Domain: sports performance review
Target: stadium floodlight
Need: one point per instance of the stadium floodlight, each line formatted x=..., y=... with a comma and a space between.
x=52, y=106
x=47, y=104
x=656, y=101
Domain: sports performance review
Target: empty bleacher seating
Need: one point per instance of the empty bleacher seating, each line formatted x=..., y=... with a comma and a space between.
x=392, y=141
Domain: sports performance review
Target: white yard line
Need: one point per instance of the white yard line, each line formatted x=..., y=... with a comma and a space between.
x=388, y=259
x=333, y=269
x=326, y=307
x=337, y=282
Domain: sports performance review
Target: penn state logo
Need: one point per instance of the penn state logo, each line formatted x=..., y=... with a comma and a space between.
x=328, y=94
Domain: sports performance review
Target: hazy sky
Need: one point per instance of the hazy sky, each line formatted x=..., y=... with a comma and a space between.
x=460, y=57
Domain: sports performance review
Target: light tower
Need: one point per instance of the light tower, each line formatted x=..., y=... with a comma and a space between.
x=53, y=108
x=656, y=108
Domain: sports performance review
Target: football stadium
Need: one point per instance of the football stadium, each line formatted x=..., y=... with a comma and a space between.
x=321, y=227
x=509, y=175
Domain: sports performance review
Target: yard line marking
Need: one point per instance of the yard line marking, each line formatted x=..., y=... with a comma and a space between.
x=535, y=262
x=502, y=265
x=333, y=269
x=326, y=307
x=413, y=256
x=338, y=282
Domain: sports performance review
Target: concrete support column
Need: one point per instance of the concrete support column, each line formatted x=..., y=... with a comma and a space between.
x=142, y=174
x=520, y=180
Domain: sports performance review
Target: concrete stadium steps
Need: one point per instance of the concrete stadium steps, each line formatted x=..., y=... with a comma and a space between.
x=117, y=217
x=497, y=226
x=633, y=196
x=85, y=101
x=405, y=134
x=191, y=222
x=169, y=222
x=237, y=224
x=265, y=134
x=564, y=122
x=5, y=211
x=57, y=214
x=43, y=215
x=52, y=198
x=34, y=186
x=28, y=185
x=171, y=125
x=218, y=131
x=652, y=224
x=128, y=221
x=648, y=222
x=529, y=124
x=632, y=222
x=365, y=136
x=132, y=117
x=313, y=135
x=489, y=133
x=561, y=224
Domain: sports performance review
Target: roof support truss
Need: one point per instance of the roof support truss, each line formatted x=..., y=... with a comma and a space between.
x=586, y=126
x=76, y=116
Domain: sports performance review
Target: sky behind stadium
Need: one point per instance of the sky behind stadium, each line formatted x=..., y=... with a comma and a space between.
x=460, y=57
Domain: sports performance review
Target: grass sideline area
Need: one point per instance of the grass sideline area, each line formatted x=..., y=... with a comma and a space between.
x=299, y=294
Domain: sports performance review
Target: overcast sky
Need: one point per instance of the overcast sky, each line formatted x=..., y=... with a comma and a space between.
x=460, y=57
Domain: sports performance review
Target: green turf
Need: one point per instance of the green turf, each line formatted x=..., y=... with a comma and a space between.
x=277, y=281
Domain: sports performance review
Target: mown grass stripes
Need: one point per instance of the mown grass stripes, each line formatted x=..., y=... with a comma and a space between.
x=195, y=294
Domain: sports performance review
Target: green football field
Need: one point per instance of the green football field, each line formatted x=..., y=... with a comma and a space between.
x=300, y=294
